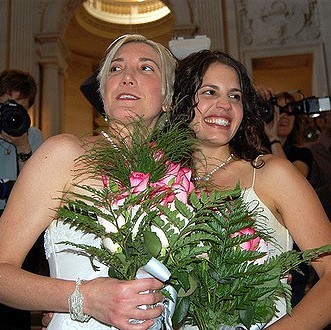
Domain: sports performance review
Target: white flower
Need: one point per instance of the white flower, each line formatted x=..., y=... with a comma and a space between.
x=161, y=235
x=110, y=228
x=110, y=245
x=108, y=225
x=263, y=247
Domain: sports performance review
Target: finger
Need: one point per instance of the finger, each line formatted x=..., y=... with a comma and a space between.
x=143, y=313
x=46, y=319
x=147, y=285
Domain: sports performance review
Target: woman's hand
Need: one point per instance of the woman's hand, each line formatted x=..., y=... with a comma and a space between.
x=265, y=92
x=117, y=303
x=47, y=317
x=271, y=129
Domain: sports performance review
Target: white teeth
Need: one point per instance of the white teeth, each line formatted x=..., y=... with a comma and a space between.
x=218, y=121
x=127, y=97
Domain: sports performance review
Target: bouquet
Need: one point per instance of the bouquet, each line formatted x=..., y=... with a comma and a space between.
x=210, y=241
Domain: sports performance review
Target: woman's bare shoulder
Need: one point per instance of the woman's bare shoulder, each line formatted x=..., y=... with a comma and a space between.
x=65, y=145
x=274, y=166
x=279, y=179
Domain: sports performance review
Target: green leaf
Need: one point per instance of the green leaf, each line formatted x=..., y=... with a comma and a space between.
x=181, y=309
x=247, y=316
x=152, y=243
x=193, y=284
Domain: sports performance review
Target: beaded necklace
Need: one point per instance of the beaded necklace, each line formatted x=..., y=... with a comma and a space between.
x=217, y=168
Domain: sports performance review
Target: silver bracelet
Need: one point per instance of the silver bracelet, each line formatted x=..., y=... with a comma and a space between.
x=76, y=305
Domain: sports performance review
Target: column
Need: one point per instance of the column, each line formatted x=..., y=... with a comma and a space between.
x=53, y=68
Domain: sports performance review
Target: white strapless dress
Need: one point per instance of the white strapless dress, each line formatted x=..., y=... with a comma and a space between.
x=65, y=262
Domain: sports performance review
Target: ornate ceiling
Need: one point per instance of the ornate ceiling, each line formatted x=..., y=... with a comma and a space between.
x=97, y=22
x=127, y=11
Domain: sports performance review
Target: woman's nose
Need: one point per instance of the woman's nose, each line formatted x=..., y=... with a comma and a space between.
x=128, y=79
x=223, y=102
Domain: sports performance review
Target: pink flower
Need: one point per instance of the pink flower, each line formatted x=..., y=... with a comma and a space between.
x=183, y=184
x=139, y=181
x=180, y=192
x=177, y=181
x=252, y=244
x=105, y=180
x=120, y=199
x=184, y=179
x=171, y=174
x=158, y=155
x=160, y=188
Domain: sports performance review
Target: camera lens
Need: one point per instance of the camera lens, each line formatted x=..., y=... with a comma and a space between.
x=14, y=119
x=268, y=110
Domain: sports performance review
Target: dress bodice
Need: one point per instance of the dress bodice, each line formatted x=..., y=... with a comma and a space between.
x=68, y=263
x=282, y=239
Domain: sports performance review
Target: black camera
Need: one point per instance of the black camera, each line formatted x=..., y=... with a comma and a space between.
x=311, y=106
x=14, y=118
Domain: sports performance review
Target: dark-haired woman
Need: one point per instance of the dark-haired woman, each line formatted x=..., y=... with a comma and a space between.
x=214, y=96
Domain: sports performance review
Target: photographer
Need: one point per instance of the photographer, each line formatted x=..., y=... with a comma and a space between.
x=18, y=141
x=284, y=133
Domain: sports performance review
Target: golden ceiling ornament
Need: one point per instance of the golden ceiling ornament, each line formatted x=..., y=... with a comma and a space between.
x=127, y=11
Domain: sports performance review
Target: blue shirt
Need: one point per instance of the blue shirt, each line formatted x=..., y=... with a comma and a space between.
x=8, y=161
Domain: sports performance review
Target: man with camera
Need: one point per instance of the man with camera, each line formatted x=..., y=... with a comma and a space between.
x=18, y=140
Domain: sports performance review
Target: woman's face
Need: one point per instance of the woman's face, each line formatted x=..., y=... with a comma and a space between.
x=285, y=125
x=134, y=84
x=219, y=111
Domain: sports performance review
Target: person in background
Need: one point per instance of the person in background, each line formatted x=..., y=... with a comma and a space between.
x=321, y=171
x=214, y=95
x=136, y=79
x=18, y=141
x=285, y=136
x=285, y=132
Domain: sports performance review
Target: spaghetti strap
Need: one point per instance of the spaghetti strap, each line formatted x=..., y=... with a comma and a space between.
x=254, y=170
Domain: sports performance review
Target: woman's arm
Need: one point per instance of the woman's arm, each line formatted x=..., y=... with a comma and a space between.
x=29, y=211
x=291, y=197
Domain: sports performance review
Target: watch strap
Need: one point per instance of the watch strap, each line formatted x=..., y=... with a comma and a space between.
x=24, y=157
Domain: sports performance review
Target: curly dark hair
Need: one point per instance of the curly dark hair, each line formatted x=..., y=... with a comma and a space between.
x=247, y=143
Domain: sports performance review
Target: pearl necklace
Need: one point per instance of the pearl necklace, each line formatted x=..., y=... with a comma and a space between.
x=110, y=140
x=217, y=168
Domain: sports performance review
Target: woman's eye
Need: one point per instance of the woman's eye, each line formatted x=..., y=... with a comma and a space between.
x=114, y=68
x=147, y=68
x=235, y=96
x=208, y=92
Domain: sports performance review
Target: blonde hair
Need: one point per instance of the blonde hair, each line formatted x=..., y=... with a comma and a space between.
x=168, y=63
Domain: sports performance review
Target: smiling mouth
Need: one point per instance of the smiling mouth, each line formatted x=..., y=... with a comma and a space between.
x=127, y=97
x=218, y=121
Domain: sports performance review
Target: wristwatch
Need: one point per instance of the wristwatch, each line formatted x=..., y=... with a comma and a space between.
x=274, y=141
x=24, y=157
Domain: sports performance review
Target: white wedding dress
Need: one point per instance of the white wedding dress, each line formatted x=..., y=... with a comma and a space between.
x=280, y=234
x=65, y=262
x=68, y=263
